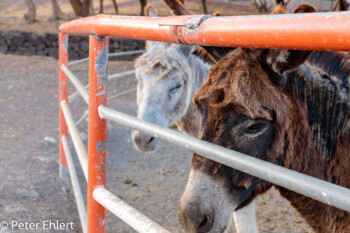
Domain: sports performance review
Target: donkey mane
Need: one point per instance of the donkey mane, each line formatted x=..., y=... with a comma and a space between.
x=204, y=55
x=334, y=64
x=324, y=93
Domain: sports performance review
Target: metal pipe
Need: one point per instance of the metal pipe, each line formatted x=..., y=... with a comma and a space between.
x=125, y=53
x=76, y=62
x=76, y=186
x=73, y=96
x=126, y=213
x=122, y=74
x=78, y=143
x=97, y=130
x=117, y=54
x=122, y=93
x=320, y=190
x=316, y=31
x=76, y=82
x=110, y=77
x=85, y=114
x=63, y=93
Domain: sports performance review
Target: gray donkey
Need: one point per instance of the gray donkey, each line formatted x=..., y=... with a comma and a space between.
x=168, y=75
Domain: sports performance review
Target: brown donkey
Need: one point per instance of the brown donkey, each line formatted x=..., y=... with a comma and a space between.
x=284, y=106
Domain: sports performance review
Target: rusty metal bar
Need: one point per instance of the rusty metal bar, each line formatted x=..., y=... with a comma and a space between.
x=78, y=143
x=63, y=94
x=76, y=186
x=126, y=213
x=316, y=31
x=97, y=130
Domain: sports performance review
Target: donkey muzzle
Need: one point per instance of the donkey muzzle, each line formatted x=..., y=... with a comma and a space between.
x=143, y=142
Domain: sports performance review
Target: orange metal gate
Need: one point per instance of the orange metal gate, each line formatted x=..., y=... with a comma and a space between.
x=318, y=31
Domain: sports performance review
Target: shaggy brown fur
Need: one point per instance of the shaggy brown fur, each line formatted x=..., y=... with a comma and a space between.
x=280, y=9
x=307, y=108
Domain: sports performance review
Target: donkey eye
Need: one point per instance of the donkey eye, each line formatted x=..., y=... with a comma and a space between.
x=174, y=89
x=256, y=128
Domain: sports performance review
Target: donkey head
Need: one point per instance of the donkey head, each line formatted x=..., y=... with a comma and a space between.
x=164, y=88
x=244, y=108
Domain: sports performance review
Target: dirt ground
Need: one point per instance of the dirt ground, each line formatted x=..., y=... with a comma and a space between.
x=30, y=189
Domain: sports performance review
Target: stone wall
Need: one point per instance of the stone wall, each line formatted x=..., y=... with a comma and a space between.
x=27, y=43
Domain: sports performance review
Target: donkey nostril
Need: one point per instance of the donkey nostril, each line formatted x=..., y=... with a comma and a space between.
x=204, y=225
x=151, y=140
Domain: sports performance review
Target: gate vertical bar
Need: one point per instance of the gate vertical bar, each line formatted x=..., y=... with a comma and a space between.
x=98, y=73
x=63, y=95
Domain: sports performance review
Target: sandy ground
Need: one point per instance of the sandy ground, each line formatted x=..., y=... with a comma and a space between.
x=30, y=189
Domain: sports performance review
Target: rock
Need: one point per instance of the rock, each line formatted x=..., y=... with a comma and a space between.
x=73, y=55
x=17, y=40
x=42, y=53
x=20, y=51
x=40, y=39
x=115, y=44
x=53, y=52
x=28, y=43
x=84, y=46
x=30, y=194
x=31, y=50
x=127, y=181
x=55, y=44
x=13, y=48
x=3, y=48
x=40, y=46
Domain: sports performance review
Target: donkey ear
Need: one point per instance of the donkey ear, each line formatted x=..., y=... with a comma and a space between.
x=186, y=49
x=280, y=9
x=217, y=13
x=150, y=11
x=305, y=8
x=283, y=60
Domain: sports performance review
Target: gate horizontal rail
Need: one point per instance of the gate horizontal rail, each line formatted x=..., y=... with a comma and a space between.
x=117, y=54
x=125, y=212
x=320, y=190
x=317, y=31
